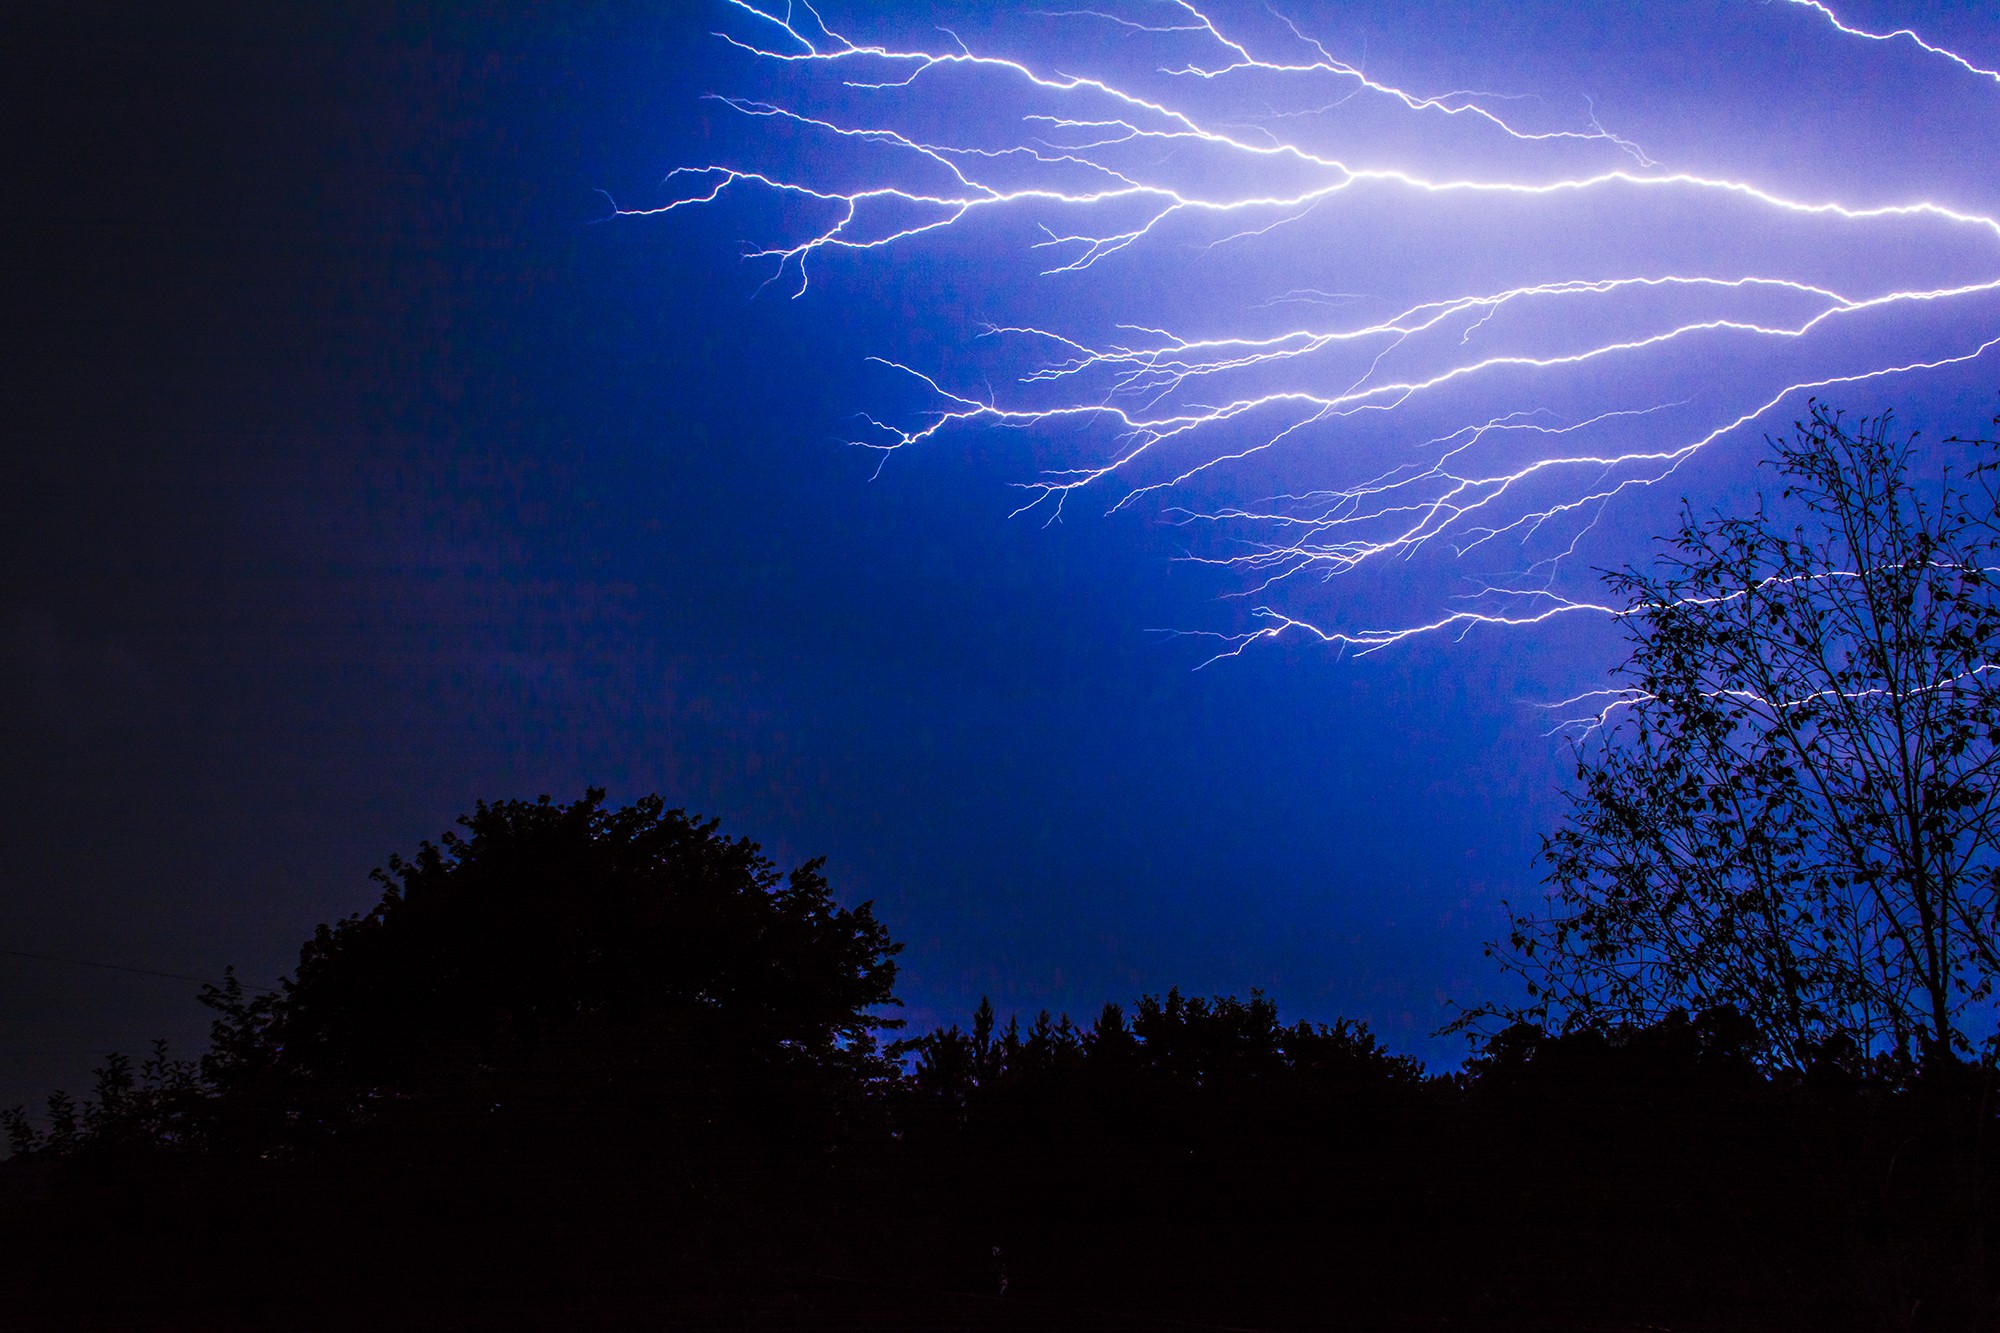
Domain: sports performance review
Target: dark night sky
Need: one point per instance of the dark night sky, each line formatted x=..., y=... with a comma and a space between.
x=357, y=468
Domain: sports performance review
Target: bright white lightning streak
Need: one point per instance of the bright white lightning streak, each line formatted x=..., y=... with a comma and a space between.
x=1181, y=412
x=1611, y=700
x=1905, y=33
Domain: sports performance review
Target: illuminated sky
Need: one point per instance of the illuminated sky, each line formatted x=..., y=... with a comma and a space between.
x=367, y=465
x=1331, y=318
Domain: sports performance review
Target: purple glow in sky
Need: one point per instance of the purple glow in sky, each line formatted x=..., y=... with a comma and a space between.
x=364, y=468
x=1398, y=318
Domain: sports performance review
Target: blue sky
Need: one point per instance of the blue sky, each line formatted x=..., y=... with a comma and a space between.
x=365, y=467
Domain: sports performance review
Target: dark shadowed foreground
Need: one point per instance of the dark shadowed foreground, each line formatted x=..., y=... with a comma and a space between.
x=584, y=1068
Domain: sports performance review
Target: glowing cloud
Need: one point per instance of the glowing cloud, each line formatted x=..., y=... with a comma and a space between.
x=1416, y=343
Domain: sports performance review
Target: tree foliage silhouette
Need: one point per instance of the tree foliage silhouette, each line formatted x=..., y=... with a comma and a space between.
x=547, y=956
x=1791, y=810
x=1174, y=1041
x=541, y=918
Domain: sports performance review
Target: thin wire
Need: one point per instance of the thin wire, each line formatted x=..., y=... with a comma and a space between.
x=109, y=967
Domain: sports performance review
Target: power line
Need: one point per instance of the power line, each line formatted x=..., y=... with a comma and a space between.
x=109, y=967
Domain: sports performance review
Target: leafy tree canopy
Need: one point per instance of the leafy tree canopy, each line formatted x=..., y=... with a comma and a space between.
x=1171, y=1042
x=1791, y=809
x=540, y=917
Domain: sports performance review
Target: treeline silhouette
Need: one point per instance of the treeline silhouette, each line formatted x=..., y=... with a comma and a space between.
x=583, y=1067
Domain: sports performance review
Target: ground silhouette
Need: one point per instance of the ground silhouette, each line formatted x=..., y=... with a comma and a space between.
x=583, y=1067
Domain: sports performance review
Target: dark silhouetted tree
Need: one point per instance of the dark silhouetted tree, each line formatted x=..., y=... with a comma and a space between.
x=543, y=919
x=1792, y=810
x=160, y=1104
x=544, y=955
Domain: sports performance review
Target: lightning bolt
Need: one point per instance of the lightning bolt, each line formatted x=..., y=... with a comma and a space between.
x=1903, y=34
x=1463, y=444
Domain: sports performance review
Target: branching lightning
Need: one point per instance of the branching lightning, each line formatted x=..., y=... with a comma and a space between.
x=1476, y=434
